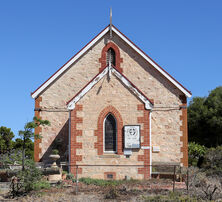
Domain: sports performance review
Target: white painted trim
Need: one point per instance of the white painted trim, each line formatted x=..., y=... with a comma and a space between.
x=147, y=103
x=77, y=56
x=152, y=63
x=69, y=168
x=71, y=104
x=150, y=125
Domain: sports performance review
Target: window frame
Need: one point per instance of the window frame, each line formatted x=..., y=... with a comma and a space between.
x=113, y=56
x=104, y=130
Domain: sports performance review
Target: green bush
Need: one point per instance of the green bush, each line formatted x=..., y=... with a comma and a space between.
x=55, y=151
x=29, y=176
x=70, y=176
x=41, y=185
x=100, y=182
x=196, y=152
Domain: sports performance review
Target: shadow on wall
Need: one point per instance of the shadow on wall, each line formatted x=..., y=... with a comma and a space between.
x=61, y=144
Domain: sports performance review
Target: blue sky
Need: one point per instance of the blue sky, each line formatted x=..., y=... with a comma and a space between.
x=38, y=37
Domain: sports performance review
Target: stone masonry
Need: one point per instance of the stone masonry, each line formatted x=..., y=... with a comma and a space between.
x=168, y=126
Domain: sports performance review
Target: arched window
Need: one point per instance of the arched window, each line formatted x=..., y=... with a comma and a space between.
x=111, y=55
x=110, y=134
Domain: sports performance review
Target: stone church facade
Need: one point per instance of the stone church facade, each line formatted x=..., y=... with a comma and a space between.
x=106, y=86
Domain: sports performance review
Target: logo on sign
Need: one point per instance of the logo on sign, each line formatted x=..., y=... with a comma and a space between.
x=132, y=137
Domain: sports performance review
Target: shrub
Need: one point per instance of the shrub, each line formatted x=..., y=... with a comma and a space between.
x=203, y=186
x=111, y=194
x=64, y=172
x=196, y=152
x=213, y=160
x=100, y=182
x=41, y=185
x=55, y=151
x=70, y=176
x=26, y=180
x=29, y=176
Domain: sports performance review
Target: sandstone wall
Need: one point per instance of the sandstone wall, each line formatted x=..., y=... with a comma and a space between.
x=99, y=97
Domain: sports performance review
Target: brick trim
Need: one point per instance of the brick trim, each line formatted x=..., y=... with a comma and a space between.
x=38, y=130
x=109, y=173
x=183, y=128
x=74, y=145
x=99, y=132
x=146, y=141
x=102, y=60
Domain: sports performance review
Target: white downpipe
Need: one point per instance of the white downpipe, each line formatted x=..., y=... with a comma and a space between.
x=150, y=119
x=69, y=140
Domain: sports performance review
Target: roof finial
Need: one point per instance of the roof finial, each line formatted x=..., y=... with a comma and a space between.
x=110, y=24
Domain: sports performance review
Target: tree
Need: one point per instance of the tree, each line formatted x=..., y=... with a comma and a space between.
x=28, y=133
x=205, y=119
x=6, y=142
x=29, y=147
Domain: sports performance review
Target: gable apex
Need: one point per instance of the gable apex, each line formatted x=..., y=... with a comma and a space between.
x=41, y=88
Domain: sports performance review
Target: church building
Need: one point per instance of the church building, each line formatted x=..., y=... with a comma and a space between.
x=112, y=105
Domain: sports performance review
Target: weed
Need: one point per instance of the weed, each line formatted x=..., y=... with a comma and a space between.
x=176, y=197
x=112, y=193
x=99, y=182
x=41, y=185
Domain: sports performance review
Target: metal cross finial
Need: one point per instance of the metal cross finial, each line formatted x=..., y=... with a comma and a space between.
x=110, y=24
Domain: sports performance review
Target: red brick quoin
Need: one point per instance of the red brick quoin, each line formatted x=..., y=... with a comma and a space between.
x=146, y=141
x=74, y=145
x=102, y=60
x=184, y=129
x=38, y=130
x=99, y=132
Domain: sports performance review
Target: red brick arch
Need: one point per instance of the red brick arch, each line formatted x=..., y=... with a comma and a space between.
x=102, y=60
x=99, y=132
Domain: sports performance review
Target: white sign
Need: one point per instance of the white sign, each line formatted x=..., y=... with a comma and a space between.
x=145, y=147
x=132, y=137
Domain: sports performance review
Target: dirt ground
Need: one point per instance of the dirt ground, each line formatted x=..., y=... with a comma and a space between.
x=129, y=191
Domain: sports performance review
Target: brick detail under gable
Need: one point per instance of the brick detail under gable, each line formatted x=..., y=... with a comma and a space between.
x=99, y=132
x=74, y=145
x=102, y=60
x=183, y=128
x=38, y=130
x=146, y=142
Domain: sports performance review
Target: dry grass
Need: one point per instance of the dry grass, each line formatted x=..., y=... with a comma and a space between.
x=125, y=191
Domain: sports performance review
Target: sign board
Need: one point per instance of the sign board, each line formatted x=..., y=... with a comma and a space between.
x=132, y=136
x=156, y=149
x=145, y=147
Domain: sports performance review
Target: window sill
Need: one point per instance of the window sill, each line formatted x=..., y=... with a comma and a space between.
x=109, y=156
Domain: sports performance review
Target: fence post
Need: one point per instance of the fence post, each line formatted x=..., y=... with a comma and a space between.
x=187, y=180
x=76, y=179
x=174, y=173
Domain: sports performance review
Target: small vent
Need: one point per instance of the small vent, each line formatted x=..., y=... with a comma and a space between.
x=109, y=176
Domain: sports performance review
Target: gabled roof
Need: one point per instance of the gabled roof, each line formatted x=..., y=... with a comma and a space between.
x=90, y=44
x=110, y=69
